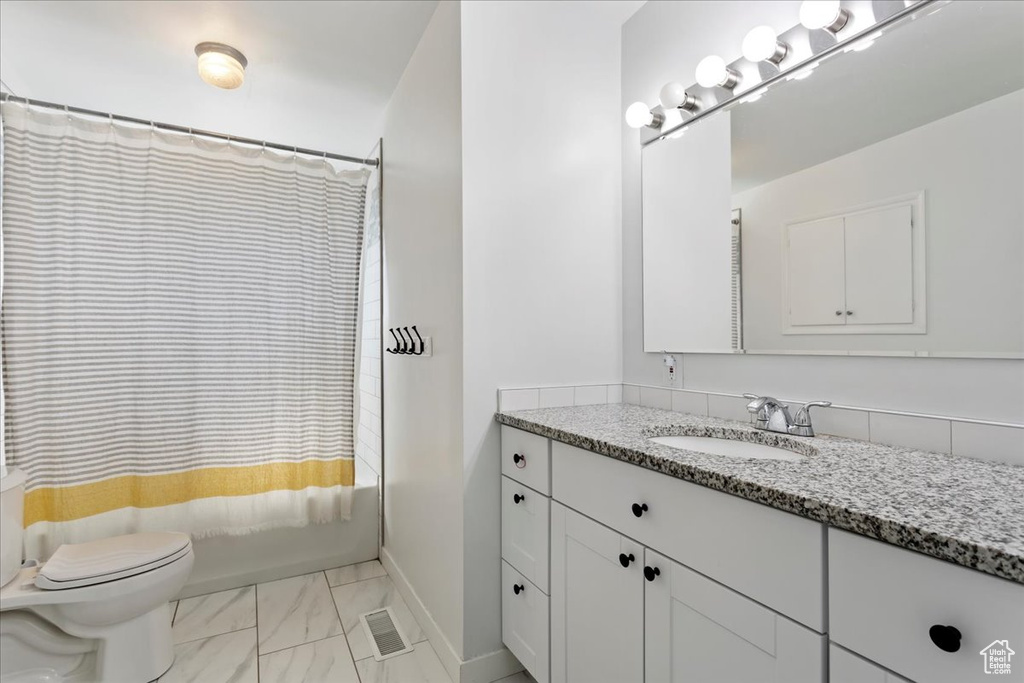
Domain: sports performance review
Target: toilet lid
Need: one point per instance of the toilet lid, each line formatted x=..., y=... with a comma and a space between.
x=85, y=564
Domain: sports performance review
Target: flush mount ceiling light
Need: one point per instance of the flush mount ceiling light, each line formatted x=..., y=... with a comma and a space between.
x=823, y=14
x=639, y=115
x=674, y=96
x=762, y=44
x=221, y=65
x=712, y=72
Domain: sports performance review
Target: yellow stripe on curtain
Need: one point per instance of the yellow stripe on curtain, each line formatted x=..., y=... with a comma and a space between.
x=63, y=504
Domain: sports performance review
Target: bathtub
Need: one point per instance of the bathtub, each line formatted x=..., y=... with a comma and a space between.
x=224, y=562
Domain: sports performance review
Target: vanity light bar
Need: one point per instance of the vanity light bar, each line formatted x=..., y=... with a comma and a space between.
x=761, y=44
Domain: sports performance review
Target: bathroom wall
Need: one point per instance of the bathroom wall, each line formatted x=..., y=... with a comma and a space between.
x=422, y=233
x=541, y=245
x=319, y=74
x=664, y=41
x=531, y=263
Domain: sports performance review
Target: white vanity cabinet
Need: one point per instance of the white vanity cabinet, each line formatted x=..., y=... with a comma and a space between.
x=657, y=580
x=698, y=630
x=525, y=544
x=597, y=602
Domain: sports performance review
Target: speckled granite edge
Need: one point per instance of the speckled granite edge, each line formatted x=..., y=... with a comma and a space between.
x=985, y=558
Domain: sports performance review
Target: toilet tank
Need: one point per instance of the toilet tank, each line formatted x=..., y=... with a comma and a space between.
x=12, y=516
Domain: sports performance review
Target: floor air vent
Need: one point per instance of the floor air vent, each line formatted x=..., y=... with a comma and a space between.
x=382, y=631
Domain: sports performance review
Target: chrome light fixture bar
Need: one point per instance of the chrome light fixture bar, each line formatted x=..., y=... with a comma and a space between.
x=714, y=74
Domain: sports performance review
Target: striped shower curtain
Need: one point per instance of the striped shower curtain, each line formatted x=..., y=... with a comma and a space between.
x=179, y=328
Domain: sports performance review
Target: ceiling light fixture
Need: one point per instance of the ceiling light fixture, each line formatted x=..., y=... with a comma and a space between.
x=639, y=115
x=762, y=44
x=674, y=96
x=712, y=72
x=824, y=14
x=221, y=65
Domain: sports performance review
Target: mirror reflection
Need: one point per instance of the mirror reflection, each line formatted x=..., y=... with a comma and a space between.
x=863, y=226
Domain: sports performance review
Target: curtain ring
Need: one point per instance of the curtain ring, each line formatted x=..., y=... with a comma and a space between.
x=67, y=113
x=264, y=148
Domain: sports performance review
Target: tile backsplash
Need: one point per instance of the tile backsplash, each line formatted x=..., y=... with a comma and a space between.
x=972, y=438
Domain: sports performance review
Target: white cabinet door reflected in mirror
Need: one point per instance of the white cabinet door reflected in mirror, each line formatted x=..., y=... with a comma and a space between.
x=858, y=272
x=687, y=241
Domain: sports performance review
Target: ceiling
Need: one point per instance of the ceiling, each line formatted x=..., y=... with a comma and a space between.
x=319, y=74
x=959, y=55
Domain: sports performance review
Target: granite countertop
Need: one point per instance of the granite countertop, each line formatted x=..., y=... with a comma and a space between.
x=966, y=511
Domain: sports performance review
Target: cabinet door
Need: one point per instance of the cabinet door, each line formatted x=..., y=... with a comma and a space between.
x=846, y=667
x=698, y=630
x=815, y=273
x=880, y=267
x=597, y=604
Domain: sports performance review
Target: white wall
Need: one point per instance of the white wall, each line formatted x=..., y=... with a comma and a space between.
x=541, y=260
x=971, y=167
x=319, y=73
x=422, y=233
x=664, y=41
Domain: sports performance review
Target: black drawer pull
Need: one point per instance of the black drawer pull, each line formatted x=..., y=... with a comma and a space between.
x=946, y=638
x=519, y=460
x=651, y=572
x=517, y=498
x=625, y=559
x=518, y=588
x=639, y=509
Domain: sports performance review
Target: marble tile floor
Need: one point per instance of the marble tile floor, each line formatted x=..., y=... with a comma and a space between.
x=303, y=629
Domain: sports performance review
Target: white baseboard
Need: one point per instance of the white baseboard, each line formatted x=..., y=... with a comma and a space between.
x=483, y=669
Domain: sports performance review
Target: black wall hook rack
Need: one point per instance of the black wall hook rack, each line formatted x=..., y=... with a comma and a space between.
x=409, y=343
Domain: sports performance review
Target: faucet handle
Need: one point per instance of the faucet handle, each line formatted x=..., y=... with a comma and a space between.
x=803, y=416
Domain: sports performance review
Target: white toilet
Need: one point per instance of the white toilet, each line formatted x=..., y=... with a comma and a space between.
x=94, y=611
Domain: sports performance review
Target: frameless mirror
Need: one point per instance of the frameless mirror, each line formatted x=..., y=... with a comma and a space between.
x=870, y=204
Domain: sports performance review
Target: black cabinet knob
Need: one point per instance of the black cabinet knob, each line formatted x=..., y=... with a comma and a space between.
x=651, y=572
x=946, y=638
x=518, y=588
x=625, y=559
x=518, y=498
x=519, y=460
x=639, y=509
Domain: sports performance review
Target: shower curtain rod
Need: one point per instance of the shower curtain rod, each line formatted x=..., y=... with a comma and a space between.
x=191, y=131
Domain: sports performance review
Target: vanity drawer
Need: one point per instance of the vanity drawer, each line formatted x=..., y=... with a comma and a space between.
x=884, y=600
x=771, y=556
x=525, y=516
x=525, y=457
x=525, y=623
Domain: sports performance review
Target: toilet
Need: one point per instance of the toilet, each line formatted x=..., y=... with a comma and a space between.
x=95, y=611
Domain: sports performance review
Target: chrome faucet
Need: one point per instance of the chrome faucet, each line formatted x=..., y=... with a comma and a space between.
x=772, y=415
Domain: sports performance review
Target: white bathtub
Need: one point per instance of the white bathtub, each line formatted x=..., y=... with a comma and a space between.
x=224, y=562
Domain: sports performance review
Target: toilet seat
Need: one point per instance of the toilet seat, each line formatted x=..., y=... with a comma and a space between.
x=109, y=559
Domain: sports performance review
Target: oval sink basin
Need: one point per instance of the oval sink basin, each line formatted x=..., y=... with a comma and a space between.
x=727, y=447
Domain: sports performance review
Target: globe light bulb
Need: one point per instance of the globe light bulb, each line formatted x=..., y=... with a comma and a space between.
x=712, y=72
x=672, y=95
x=639, y=115
x=823, y=14
x=762, y=44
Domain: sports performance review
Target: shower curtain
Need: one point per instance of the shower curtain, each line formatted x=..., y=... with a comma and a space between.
x=180, y=330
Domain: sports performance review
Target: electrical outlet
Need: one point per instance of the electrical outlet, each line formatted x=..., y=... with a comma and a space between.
x=670, y=371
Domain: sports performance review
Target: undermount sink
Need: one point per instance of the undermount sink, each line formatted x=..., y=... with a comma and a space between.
x=727, y=447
